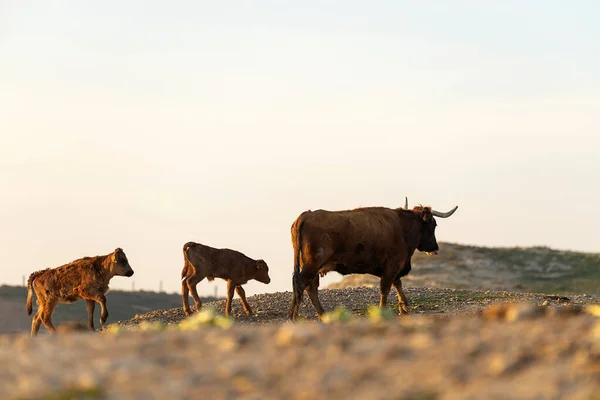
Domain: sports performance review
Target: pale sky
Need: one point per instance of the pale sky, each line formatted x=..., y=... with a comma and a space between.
x=147, y=124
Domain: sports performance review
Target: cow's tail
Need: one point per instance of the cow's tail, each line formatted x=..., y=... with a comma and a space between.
x=297, y=244
x=30, y=280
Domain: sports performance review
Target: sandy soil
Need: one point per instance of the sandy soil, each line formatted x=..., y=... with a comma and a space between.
x=455, y=345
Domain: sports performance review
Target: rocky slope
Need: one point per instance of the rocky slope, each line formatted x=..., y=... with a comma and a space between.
x=532, y=269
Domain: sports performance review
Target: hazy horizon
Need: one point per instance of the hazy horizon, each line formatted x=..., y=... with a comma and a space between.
x=145, y=125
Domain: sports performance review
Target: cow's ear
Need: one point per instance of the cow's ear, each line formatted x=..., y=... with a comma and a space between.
x=258, y=264
x=114, y=257
x=426, y=214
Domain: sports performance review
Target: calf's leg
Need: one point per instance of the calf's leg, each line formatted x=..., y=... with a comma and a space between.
x=104, y=315
x=36, y=321
x=192, y=282
x=230, y=289
x=185, y=291
x=242, y=293
x=91, y=306
x=47, y=315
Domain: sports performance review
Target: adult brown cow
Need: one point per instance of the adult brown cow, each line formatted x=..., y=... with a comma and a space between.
x=202, y=261
x=85, y=278
x=369, y=240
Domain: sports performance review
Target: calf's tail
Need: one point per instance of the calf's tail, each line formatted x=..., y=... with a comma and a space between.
x=30, y=280
x=186, y=262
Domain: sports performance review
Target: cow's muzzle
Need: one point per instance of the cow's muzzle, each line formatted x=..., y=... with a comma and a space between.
x=128, y=274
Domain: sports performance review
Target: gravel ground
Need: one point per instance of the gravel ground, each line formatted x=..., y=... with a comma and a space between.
x=274, y=307
x=548, y=348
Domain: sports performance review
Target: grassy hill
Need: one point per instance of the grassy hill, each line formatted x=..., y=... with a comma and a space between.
x=122, y=305
x=523, y=269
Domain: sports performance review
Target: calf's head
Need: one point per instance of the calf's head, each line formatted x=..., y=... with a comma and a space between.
x=119, y=265
x=262, y=272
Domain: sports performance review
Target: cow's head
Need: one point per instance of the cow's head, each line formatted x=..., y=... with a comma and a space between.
x=427, y=241
x=262, y=272
x=119, y=265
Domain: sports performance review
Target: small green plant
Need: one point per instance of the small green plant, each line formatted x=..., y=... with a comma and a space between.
x=593, y=309
x=113, y=329
x=152, y=326
x=340, y=314
x=376, y=314
x=205, y=317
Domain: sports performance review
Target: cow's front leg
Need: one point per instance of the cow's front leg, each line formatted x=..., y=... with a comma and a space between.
x=402, y=300
x=91, y=306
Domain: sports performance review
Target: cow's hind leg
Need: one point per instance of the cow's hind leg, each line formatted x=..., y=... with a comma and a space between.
x=402, y=300
x=299, y=283
x=385, y=287
x=242, y=293
x=91, y=306
x=305, y=276
x=313, y=293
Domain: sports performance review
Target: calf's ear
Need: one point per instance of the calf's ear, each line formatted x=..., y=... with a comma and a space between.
x=259, y=264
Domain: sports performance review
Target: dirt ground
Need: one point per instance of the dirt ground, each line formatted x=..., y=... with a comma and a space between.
x=274, y=307
x=456, y=344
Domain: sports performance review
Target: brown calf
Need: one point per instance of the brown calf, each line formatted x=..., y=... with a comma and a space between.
x=86, y=278
x=201, y=261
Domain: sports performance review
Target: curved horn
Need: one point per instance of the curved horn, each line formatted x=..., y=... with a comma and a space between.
x=443, y=215
x=406, y=203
